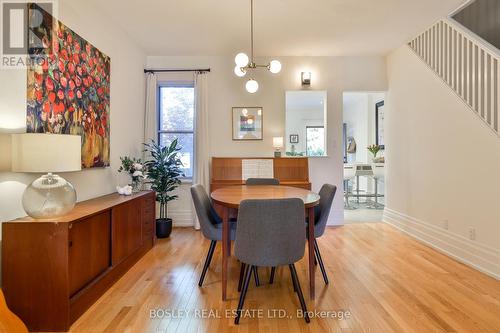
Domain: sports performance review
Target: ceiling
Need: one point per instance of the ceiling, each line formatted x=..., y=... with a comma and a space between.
x=282, y=27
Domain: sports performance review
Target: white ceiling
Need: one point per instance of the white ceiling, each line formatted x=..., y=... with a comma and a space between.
x=283, y=27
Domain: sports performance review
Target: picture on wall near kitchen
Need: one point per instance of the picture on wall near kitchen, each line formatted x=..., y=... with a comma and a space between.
x=68, y=87
x=247, y=123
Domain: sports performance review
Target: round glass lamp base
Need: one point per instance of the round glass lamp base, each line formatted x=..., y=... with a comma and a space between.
x=49, y=196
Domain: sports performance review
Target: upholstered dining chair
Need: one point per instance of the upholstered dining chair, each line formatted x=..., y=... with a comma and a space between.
x=262, y=181
x=321, y=213
x=209, y=226
x=270, y=233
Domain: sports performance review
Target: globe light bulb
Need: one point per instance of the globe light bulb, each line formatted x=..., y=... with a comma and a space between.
x=275, y=66
x=241, y=59
x=239, y=71
x=252, y=86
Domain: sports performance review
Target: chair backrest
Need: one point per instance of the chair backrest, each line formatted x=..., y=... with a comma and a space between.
x=202, y=206
x=326, y=194
x=270, y=232
x=262, y=181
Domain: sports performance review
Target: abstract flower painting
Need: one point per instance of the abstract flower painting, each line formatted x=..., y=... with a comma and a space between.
x=68, y=90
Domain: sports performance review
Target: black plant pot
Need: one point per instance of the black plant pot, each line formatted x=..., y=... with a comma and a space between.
x=163, y=227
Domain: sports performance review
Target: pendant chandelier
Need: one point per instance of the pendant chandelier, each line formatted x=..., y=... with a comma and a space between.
x=245, y=64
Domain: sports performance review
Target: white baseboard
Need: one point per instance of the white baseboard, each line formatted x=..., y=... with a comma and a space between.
x=181, y=218
x=478, y=256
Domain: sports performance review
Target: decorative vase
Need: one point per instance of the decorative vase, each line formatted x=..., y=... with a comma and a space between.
x=136, y=186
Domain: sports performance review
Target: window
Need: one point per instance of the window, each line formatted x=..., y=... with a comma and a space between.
x=176, y=120
x=315, y=140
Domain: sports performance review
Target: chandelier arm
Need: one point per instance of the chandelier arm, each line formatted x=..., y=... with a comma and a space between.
x=253, y=65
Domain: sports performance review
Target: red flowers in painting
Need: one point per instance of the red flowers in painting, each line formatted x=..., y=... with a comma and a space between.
x=68, y=93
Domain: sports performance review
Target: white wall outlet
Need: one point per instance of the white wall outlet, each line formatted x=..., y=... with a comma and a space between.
x=445, y=224
x=472, y=233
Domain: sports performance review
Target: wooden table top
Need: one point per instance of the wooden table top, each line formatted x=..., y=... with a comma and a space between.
x=231, y=196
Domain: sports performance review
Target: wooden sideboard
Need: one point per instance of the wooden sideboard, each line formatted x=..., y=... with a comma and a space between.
x=54, y=270
x=291, y=171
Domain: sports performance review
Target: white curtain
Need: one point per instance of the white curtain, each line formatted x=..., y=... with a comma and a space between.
x=201, y=146
x=150, y=116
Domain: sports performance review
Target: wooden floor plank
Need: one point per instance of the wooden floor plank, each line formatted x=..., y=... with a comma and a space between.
x=386, y=280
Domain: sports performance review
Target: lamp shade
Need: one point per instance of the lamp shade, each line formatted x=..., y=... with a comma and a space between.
x=46, y=152
x=277, y=141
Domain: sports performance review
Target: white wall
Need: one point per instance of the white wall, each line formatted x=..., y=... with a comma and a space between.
x=127, y=105
x=333, y=74
x=442, y=166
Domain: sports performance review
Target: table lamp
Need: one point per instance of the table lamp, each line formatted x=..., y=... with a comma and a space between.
x=277, y=144
x=50, y=195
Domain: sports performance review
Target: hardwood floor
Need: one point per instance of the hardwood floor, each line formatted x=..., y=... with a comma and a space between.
x=386, y=280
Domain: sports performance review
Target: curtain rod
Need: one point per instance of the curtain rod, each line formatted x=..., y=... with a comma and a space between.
x=176, y=70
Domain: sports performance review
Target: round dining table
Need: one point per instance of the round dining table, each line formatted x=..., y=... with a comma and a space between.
x=230, y=197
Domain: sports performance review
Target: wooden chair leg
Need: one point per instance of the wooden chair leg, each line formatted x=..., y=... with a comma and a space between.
x=210, y=253
x=296, y=281
x=271, y=278
x=242, y=275
x=321, y=265
x=243, y=293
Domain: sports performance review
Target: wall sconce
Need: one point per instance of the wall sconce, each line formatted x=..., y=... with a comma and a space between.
x=306, y=78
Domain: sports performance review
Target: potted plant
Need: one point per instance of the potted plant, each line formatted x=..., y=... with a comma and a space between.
x=164, y=173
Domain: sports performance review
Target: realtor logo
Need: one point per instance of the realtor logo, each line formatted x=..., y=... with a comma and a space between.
x=21, y=30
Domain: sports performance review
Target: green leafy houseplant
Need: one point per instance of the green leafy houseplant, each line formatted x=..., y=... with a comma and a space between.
x=164, y=173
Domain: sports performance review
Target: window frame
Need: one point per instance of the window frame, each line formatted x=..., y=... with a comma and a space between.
x=177, y=84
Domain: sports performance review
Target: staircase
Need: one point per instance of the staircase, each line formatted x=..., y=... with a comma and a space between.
x=466, y=63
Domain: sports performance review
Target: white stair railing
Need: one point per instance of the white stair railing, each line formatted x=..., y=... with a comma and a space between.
x=466, y=64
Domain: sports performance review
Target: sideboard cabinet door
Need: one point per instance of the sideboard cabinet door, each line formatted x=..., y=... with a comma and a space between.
x=126, y=230
x=89, y=250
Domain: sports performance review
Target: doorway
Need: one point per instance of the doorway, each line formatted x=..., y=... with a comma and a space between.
x=364, y=156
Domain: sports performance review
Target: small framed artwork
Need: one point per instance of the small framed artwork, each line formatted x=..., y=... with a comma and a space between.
x=294, y=138
x=247, y=123
x=379, y=124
